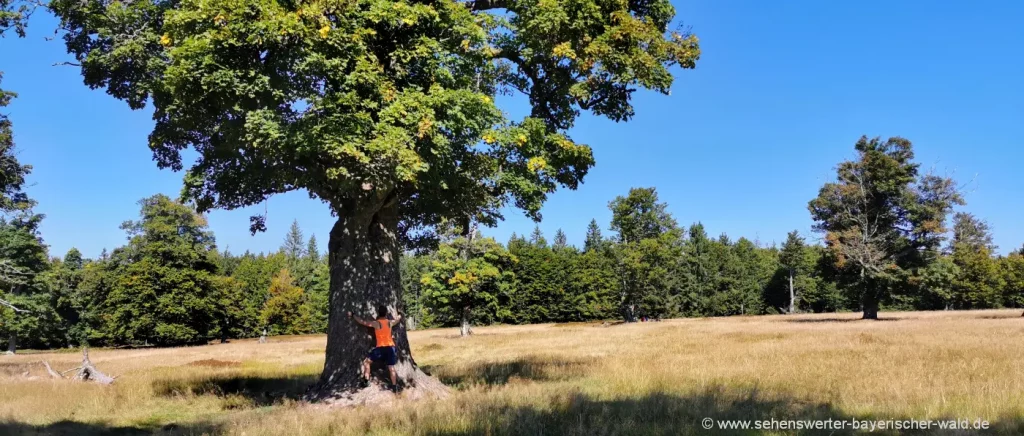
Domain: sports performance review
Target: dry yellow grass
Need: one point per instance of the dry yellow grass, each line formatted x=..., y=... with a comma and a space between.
x=645, y=378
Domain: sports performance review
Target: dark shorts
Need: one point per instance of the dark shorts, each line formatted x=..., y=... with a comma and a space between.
x=386, y=354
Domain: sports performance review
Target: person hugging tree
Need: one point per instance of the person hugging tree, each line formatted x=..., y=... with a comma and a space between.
x=385, y=349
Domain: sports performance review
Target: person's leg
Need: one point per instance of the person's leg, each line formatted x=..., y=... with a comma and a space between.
x=366, y=368
x=394, y=376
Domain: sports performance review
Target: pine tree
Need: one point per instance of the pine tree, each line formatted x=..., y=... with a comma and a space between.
x=537, y=238
x=294, y=246
x=979, y=284
x=794, y=259
x=312, y=250
x=593, y=240
x=560, y=240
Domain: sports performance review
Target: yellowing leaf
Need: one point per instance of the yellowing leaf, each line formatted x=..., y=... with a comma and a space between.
x=536, y=163
x=165, y=40
x=489, y=138
x=521, y=139
x=324, y=31
x=424, y=127
x=564, y=50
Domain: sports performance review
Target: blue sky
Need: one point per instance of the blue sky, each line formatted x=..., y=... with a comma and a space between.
x=780, y=95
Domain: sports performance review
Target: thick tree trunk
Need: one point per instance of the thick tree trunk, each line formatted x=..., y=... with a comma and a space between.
x=870, y=307
x=363, y=259
x=792, y=295
x=12, y=344
x=465, y=330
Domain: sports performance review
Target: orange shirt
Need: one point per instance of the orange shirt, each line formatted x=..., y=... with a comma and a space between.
x=383, y=333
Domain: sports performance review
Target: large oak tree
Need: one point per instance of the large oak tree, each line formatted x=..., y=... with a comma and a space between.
x=383, y=109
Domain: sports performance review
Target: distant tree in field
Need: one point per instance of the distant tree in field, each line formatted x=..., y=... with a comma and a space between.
x=560, y=240
x=470, y=277
x=978, y=284
x=162, y=290
x=284, y=312
x=383, y=110
x=881, y=217
x=593, y=240
x=648, y=250
x=793, y=257
x=294, y=244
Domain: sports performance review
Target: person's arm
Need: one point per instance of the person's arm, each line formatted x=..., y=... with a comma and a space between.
x=397, y=319
x=359, y=320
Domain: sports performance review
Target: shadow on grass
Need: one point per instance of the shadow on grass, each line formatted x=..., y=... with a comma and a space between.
x=665, y=414
x=247, y=390
x=71, y=428
x=536, y=368
x=828, y=320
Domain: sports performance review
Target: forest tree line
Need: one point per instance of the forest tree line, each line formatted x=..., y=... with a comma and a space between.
x=169, y=285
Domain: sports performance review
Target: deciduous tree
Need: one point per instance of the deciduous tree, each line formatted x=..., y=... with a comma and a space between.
x=469, y=277
x=382, y=109
x=881, y=217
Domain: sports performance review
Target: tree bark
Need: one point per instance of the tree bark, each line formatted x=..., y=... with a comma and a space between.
x=465, y=330
x=12, y=344
x=363, y=260
x=792, y=295
x=870, y=306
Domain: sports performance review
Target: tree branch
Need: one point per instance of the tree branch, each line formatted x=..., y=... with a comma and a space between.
x=484, y=5
x=16, y=309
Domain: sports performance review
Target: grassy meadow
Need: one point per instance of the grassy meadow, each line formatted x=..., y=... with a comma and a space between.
x=557, y=379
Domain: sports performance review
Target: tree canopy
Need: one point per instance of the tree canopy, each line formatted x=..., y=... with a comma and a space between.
x=366, y=103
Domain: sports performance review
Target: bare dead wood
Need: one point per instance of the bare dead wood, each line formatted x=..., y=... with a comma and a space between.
x=50, y=370
x=88, y=372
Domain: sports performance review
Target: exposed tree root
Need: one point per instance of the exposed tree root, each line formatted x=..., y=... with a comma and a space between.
x=416, y=387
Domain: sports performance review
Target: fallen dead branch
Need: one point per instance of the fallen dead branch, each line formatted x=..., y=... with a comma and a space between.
x=86, y=372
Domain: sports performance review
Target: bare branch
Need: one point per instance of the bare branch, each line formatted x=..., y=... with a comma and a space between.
x=50, y=370
x=15, y=308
